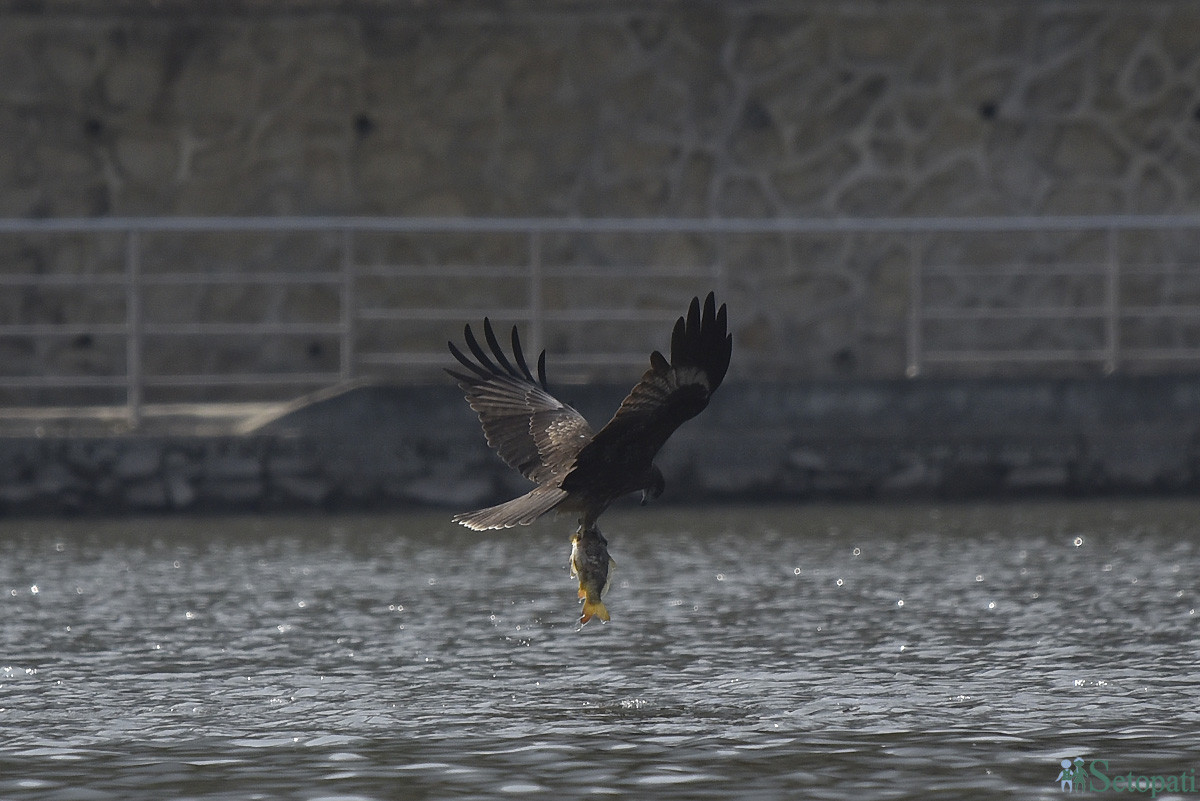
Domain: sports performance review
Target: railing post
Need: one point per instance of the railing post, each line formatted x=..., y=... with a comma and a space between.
x=720, y=274
x=346, y=345
x=913, y=335
x=536, y=305
x=134, y=369
x=1112, y=306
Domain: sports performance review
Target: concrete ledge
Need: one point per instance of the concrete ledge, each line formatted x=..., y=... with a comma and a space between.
x=160, y=419
x=384, y=446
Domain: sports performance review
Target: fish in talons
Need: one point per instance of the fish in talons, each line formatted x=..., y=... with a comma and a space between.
x=592, y=566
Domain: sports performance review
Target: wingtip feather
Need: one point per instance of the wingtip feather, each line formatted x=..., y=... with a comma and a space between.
x=498, y=364
x=701, y=339
x=658, y=362
x=478, y=351
x=497, y=351
x=467, y=363
x=519, y=355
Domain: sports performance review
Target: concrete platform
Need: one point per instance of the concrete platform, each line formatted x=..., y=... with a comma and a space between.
x=370, y=445
x=173, y=419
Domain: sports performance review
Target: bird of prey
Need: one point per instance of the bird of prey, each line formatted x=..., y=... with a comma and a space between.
x=574, y=468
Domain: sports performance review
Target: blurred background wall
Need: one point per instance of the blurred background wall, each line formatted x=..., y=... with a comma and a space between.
x=657, y=109
x=627, y=109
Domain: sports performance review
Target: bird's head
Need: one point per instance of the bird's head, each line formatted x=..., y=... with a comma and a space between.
x=654, y=486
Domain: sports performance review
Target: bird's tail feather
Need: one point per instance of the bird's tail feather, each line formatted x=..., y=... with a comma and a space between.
x=518, y=512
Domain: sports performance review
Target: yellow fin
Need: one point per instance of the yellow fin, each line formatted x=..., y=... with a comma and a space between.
x=591, y=610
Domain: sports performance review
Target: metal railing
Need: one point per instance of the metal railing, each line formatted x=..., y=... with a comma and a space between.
x=1042, y=307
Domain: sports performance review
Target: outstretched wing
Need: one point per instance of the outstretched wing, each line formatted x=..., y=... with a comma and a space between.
x=667, y=396
x=532, y=430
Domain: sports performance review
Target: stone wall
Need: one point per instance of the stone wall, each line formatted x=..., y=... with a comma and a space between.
x=739, y=109
x=748, y=109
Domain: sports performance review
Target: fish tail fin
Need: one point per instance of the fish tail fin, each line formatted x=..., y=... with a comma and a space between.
x=590, y=610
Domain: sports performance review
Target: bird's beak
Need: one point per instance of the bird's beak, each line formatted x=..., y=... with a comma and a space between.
x=645, y=497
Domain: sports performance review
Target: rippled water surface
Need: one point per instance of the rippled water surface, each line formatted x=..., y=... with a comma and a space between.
x=807, y=652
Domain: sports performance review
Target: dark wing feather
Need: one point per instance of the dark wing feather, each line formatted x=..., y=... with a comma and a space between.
x=532, y=430
x=669, y=394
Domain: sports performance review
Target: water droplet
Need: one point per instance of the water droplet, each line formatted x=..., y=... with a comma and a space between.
x=991, y=605
x=720, y=577
x=1107, y=568
x=857, y=551
x=1078, y=541
x=979, y=577
x=900, y=603
x=796, y=570
x=34, y=590
x=838, y=582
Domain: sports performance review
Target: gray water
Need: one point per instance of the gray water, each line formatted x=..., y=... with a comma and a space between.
x=778, y=653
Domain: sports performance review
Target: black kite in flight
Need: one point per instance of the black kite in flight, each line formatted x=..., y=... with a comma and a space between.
x=576, y=469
